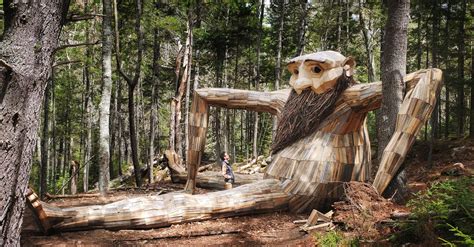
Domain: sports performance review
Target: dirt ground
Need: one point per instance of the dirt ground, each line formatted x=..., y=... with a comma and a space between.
x=362, y=213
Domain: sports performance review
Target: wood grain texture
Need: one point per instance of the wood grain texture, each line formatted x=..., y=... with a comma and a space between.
x=417, y=106
x=163, y=210
x=305, y=175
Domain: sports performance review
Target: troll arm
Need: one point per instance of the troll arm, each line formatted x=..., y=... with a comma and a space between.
x=272, y=102
x=422, y=89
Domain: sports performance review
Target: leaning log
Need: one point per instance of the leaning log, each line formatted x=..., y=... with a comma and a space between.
x=164, y=210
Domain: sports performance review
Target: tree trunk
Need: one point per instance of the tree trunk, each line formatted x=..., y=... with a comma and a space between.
x=104, y=107
x=154, y=102
x=471, y=118
x=120, y=125
x=174, y=101
x=460, y=85
x=73, y=170
x=278, y=60
x=368, y=35
x=88, y=114
x=44, y=145
x=184, y=86
x=30, y=37
x=257, y=81
x=132, y=82
x=393, y=69
x=302, y=27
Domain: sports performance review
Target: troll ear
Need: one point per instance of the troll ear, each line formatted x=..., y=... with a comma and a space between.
x=349, y=65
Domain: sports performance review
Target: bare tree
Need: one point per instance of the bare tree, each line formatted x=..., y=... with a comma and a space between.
x=132, y=83
x=104, y=107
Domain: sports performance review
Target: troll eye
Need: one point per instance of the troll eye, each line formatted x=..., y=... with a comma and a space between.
x=316, y=69
x=295, y=71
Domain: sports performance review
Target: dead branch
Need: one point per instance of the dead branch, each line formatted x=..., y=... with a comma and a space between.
x=6, y=65
x=79, y=17
x=75, y=45
x=66, y=63
x=51, y=197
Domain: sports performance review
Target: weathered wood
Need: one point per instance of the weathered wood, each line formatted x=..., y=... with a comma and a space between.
x=163, y=210
x=340, y=150
x=214, y=180
x=306, y=174
x=415, y=110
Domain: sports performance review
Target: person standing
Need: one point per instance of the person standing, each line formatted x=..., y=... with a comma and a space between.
x=227, y=172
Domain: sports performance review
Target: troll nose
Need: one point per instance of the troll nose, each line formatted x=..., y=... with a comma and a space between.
x=302, y=83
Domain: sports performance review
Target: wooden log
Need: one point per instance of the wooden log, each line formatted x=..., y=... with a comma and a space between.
x=163, y=210
x=214, y=180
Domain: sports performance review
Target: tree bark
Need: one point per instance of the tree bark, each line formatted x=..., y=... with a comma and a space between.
x=154, y=102
x=88, y=115
x=393, y=69
x=257, y=80
x=278, y=60
x=471, y=118
x=460, y=67
x=104, y=107
x=132, y=83
x=45, y=144
x=31, y=34
x=368, y=35
x=302, y=27
x=184, y=83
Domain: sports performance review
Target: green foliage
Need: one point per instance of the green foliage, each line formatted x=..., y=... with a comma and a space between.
x=334, y=239
x=444, y=211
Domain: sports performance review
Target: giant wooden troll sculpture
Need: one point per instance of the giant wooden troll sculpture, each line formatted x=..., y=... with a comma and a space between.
x=321, y=142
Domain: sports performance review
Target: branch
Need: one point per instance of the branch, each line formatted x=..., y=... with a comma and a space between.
x=2, y=13
x=75, y=45
x=6, y=65
x=66, y=62
x=77, y=17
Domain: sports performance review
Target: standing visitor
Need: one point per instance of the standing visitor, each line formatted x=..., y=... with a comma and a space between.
x=227, y=170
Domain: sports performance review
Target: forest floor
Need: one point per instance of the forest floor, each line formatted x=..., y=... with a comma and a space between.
x=361, y=213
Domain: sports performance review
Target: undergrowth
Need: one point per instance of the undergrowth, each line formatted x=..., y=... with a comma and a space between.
x=442, y=214
x=334, y=239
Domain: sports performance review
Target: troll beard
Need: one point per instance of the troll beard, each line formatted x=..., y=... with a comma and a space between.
x=303, y=113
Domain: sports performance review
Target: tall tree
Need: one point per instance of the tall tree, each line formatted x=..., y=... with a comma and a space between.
x=258, y=77
x=132, y=83
x=393, y=66
x=282, y=11
x=154, y=101
x=460, y=71
x=393, y=69
x=30, y=36
x=183, y=82
x=104, y=107
x=302, y=27
x=45, y=144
